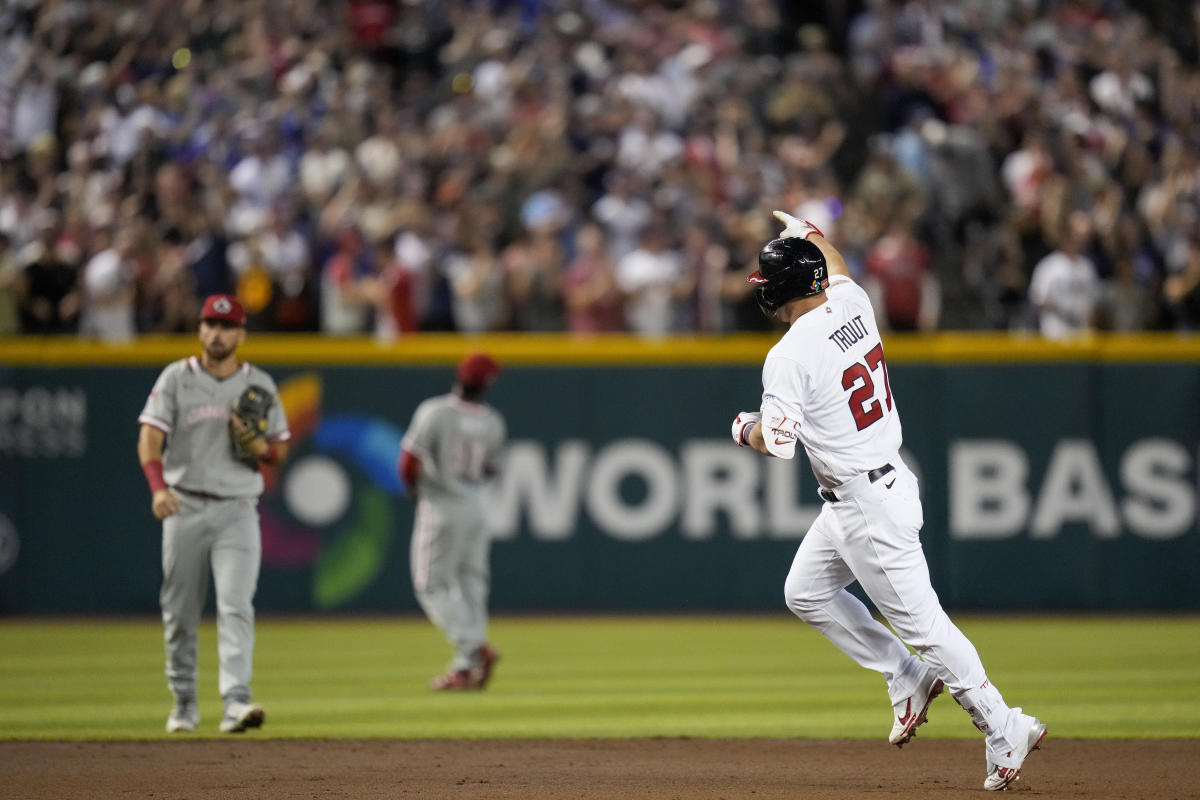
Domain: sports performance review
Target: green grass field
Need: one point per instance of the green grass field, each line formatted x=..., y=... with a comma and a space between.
x=771, y=676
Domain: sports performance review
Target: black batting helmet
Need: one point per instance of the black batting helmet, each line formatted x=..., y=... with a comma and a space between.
x=788, y=269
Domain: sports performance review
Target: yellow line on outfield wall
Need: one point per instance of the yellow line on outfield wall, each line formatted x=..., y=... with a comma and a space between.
x=565, y=349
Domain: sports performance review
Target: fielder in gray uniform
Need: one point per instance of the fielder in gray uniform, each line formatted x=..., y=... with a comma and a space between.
x=451, y=448
x=205, y=490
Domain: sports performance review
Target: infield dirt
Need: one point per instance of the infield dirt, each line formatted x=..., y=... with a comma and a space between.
x=592, y=769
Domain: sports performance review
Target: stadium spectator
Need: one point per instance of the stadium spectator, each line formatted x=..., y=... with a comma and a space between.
x=49, y=293
x=980, y=123
x=108, y=292
x=590, y=290
x=904, y=291
x=346, y=293
x=654, y=284
x=533, y=278
x=1182, y=290
x=476, y=278
x=1065, y=288
x=10, y=277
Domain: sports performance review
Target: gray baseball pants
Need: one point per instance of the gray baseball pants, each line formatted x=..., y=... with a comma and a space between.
x=221, y=536
x=449, y=561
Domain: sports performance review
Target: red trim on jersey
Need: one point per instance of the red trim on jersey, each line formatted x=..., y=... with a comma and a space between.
x=155, y=422
x=153, y=470
x=409, y=468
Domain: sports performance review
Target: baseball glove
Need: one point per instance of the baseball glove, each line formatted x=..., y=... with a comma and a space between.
x=251, y=407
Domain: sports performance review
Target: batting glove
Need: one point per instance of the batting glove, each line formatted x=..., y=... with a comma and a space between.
x=798, y=228
x=741, y=426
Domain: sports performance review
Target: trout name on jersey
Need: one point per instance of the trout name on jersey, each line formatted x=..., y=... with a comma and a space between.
x=853, y=331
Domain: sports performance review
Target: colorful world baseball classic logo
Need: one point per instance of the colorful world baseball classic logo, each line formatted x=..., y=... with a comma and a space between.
x=314, y=513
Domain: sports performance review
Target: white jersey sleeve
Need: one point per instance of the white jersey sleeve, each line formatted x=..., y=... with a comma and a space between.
x=782, y=405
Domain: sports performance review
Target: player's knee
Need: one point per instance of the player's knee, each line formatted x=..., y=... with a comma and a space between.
x=432, y=586
x=799, y=600
x=240, y=609
x=921, y=630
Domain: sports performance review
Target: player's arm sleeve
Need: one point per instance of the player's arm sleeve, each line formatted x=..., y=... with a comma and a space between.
x=159, y=411
x=277, y=423
x=834, y=263
x=419, y=439
x=783, y=397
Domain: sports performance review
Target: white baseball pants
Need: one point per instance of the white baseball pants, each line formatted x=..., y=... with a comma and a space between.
x=872, y=535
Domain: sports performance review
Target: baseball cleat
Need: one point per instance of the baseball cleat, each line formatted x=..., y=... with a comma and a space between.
x=911, y=712
x=487, y=662
x=242, y=716
x=184, y=717
x=1000, y=777
x=456, y=680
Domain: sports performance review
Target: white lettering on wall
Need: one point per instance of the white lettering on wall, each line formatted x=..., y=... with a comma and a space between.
x=609, y=510
x=786, y=517
x=550, y=494
x=1161, y=503
x=720, y=478
x=43, y=422
x=1075, y=490
x=636, y=489
x=988, y=498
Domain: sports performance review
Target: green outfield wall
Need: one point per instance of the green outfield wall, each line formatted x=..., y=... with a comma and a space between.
x=1054, y=477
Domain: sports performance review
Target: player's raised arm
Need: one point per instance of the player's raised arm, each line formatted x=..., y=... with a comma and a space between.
x=803, y=229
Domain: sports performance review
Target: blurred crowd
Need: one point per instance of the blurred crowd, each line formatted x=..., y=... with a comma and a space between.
x=388, y=166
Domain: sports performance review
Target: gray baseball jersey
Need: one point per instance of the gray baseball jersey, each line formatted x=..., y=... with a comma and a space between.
x=459, y=444
x=192, y=408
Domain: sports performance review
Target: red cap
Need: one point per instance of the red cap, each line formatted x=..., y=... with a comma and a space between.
x=224, y=307
x=478, y=370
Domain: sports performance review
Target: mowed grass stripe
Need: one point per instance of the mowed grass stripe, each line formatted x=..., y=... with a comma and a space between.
x=573, y=677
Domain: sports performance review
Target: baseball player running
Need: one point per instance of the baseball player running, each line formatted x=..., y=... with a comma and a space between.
x=825, y=385
x=207, y=425
x=451, y=447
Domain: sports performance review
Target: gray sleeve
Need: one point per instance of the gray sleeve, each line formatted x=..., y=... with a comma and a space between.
x=161, y=405
x=277, y=424
x=421, y=435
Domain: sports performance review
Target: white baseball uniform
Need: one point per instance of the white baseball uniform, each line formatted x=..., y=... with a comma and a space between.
x=825, y=385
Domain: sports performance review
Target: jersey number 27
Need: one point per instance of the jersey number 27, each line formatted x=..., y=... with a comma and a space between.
x=863, y=405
